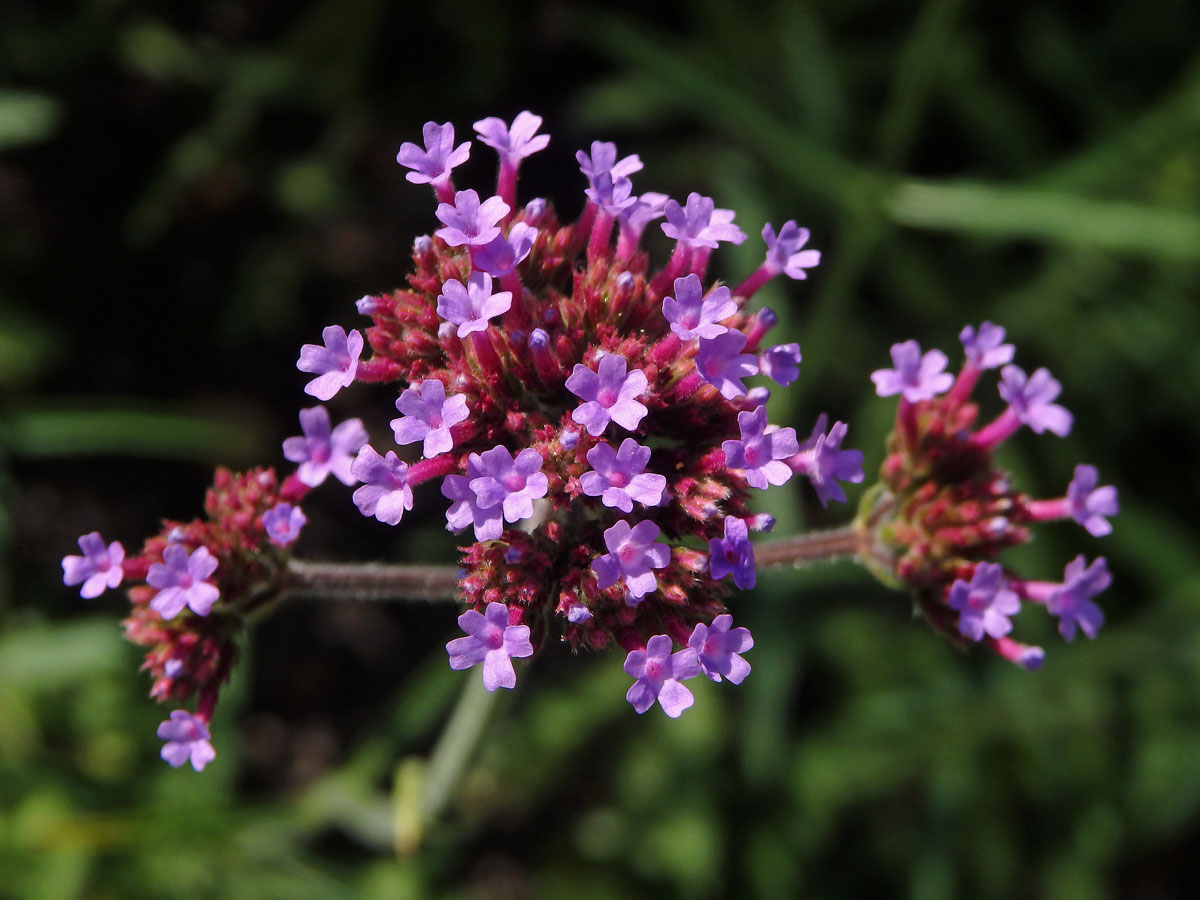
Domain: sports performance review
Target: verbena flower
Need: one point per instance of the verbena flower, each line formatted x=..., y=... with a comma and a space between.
x=283, y=522
x=633, y=554
x=385, y=493
x=490, y=640
x=618, y=477
x=718, y=647
x=693, y=315
x=334, y=364
x=428, y=416
x=180, y=579
x=609, y=394
x=984, y=603
x=761, y=450
x=659, y=675
x=323, y=449
x=733, y=554
x=187, y=740
x=99, y=567
x=915, y=375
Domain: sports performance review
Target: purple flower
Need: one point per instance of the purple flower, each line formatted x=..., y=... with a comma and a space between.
x=693, y=315
x=466, y=510
x=658, y=674
x=428, y=416
x=492, y=641
x=648, y=207
x=1031, y=400
x=603, y=160
x=986, y=349
x=180, y=581
x=321, y=450
x=699, y=224
x=468, y=221
x=984, y=604
x=784, y=253
x=187, y=740
x=915, y=376
x=717, y=647
x=761, y=450
x=577, y=612
x=632, y=553
x=513, y=484
x=470, y=306
x=385, y=493
x=781, y=363
x=823, y=460
x=1071, y=602
x=432, y=164
x=733, y=553
x=368, y=305
x=97, y=569
x=1090, y=504
x=502, y=255
x=607, y=395
x=611, y=195
x=619, y=476
x=283, y=523
x=334, y=364
x=721, y=363
x=516, y=142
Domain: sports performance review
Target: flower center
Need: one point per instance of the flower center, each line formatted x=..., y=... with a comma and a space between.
x=627, y=553
x=514, y=481
x=493, y=637
x=655, y=669
x=435, y=420
x=606, y=397
x=618, y=479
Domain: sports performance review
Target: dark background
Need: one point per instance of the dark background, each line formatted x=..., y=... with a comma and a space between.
x=188, y=192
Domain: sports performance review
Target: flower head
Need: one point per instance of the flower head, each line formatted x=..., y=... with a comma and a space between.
x=1031, y=398
x=692, y=315
x=658, y=675
x=761, y=450
x=918, y=377
x=733, y=553
x=428, y=416
x=717, y=647
x=385, y=493
x=335, y=364
x=180, y=579
x=492, y=641
x=283, y=522
x=1090, y=504
x=97, y=569
x=632, y=555
x=471, y=306
x=618, y=477
x=187, y=740
x=608, y=394
x=984, y=603
x=322, y=449
x=432, y=164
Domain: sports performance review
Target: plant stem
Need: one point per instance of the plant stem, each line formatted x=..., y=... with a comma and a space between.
x=815, y=546
x=371, y=581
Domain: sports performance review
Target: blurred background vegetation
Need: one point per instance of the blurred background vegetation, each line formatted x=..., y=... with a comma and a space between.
x=188, y=192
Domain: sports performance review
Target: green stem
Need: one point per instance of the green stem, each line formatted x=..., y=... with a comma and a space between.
x=371, y=581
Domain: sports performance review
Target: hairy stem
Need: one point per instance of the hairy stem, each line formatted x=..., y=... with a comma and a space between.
x=815, y=546
x=370, y=581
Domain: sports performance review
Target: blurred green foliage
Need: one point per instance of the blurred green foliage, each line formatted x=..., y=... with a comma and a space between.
x=186, y=194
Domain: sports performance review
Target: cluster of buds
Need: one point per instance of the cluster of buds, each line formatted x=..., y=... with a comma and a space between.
x=942, y=511
x=586, y=419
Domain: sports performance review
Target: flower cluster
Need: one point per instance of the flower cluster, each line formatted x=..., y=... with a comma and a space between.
x=588, y=418
x=943, y=511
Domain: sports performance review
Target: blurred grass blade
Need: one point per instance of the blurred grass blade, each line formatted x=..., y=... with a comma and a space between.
x=27, y=118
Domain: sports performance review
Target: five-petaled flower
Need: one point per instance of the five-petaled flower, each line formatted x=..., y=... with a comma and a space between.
x=323, y=449
x=490, y=640
x=283, y=522
x=470, y=306
x=428, y=416
x=985, y=603
x=187, y=740
x=99, y=567
x=717, y=647
x=633, y=554
x=917, y=377
x=618, y=477
x=385, y=493
x=693, y=315
x=659, y=675
x=608, y=395
x=180, y=579
x=733, y=553
x=761, y=450
x=335, y=364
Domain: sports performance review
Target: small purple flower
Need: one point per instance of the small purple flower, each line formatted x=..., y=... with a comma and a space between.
x=428, y=416
x=692, y=315
x=1088, y=503
x=985, y=604
x=187, y=740
x=283, y=523
x=722, y=364
x=658, y=675
x=432, y=164
x=1031, y=400
x=784, y=253
x=733, y=553
x=322, y=450
x=334, y=364
x=97, y=569
x=577, y=612
x=915, y=376
x=761, y=450
x=781, y=363
x=823, y=460
x=180, y=581
x=632, y=554
x=492, y=641
x=468, y=221
x=986, y=349
x=603, y=160
x=503, y=255
x=367, y=305
x=648, y=207
x=466, y=510
x=699, y=224
x=385, y=493
x=513, y=484
x=1071, y=602
x=516, y=142
x=717, y=647
x=611, y=195
x=608, y=394
x=619, y=476
x=470, y=306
